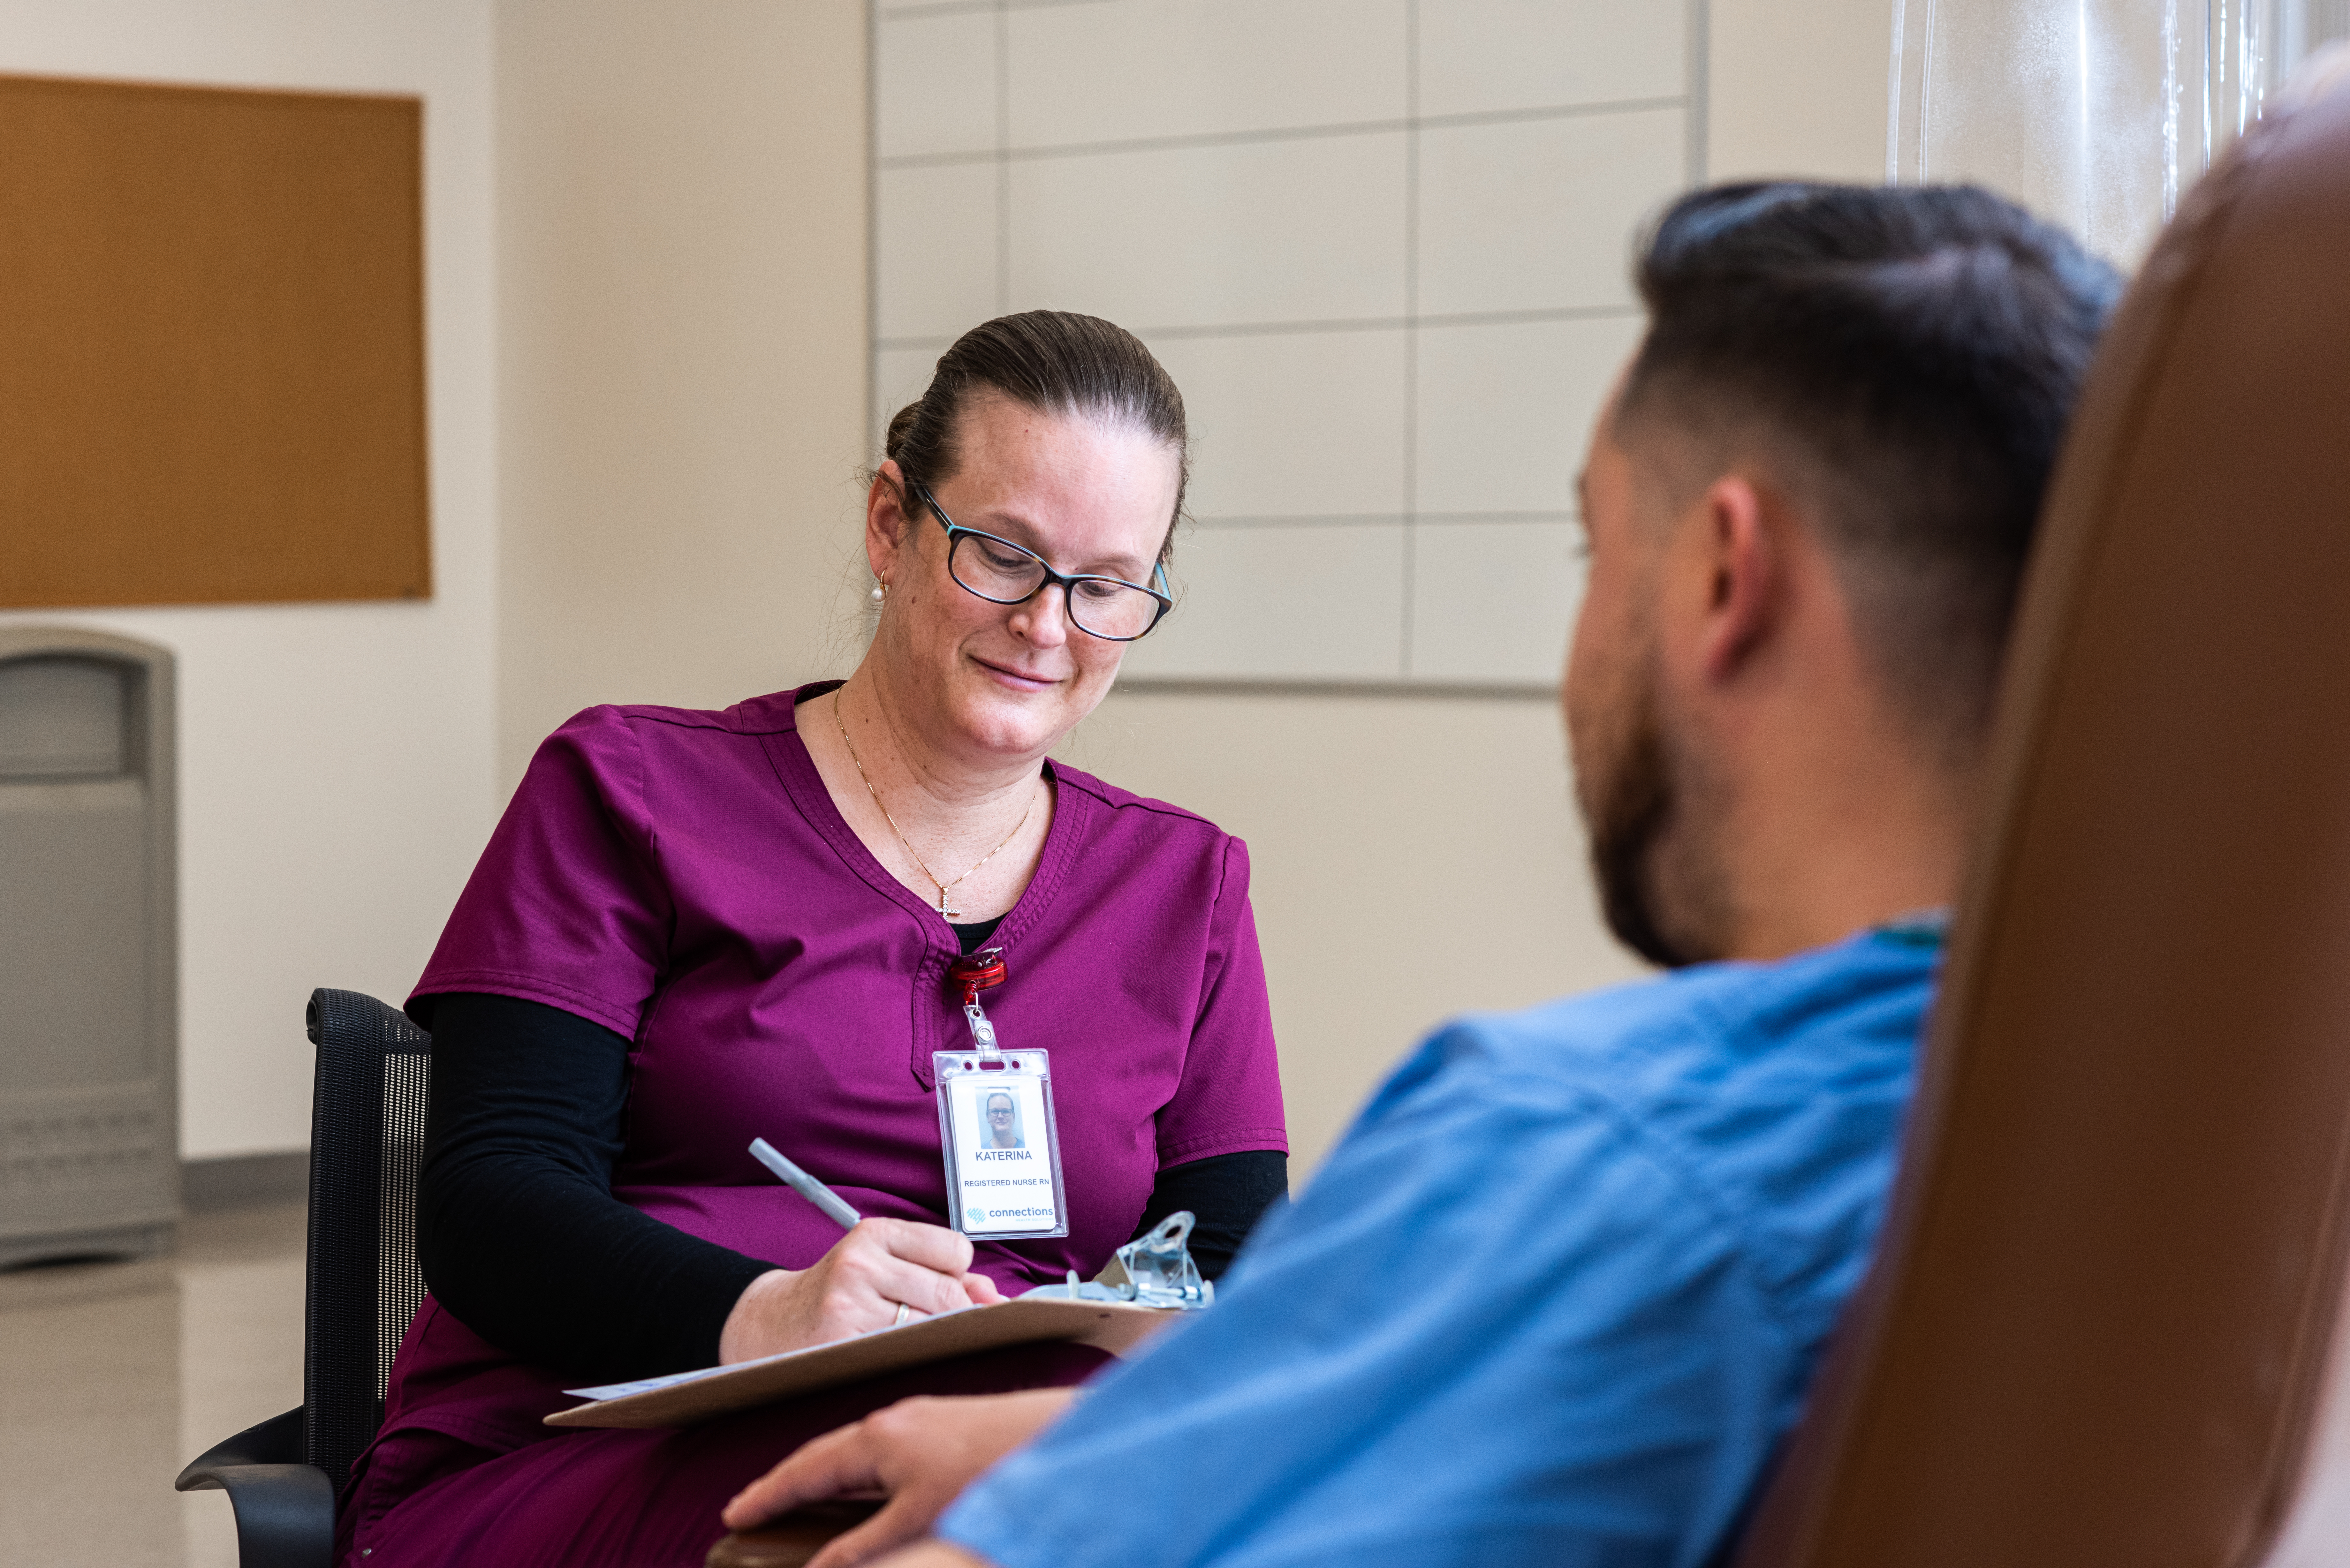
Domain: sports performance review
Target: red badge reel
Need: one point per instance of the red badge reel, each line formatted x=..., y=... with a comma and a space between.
x=972, y=974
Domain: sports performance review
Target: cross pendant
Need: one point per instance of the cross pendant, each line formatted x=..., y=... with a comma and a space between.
x=944, y=910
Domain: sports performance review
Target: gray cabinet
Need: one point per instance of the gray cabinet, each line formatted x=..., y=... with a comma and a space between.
x=88, y=991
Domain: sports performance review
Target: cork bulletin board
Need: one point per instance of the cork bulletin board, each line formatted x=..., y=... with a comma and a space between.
x=211, y=346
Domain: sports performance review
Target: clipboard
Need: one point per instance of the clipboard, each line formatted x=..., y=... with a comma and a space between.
x=1149, y=1283
x=686, y=1397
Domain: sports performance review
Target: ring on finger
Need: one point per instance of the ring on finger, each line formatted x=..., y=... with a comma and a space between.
x=904, y=1311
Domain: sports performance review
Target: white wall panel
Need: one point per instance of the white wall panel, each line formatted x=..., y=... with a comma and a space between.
x=1480, y=56
x=1121, y=69
x=934, y=249
x=899, y=375
x=1293, y=424
x=1300, y=602
x=1797, y=89
x=1262, y=232
x=934, y=84
x=1493, y=601
x=1494, y=234
x=1505, y=410
x=1382, y=246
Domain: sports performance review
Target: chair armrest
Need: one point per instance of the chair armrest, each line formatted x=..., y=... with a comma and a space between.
x=276, y=1441
x=284, y=1508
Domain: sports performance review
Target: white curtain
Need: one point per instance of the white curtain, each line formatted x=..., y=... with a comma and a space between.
x=2096, y=113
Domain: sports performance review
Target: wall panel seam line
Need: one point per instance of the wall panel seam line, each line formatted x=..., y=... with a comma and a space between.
x=974, y=7
x=1375, y=519
x=1279, y=329
x=1698, y=85
x=1407, y=608
x=1002, y=159
x=875, y=429
x=1271, y=134
x=949, y=8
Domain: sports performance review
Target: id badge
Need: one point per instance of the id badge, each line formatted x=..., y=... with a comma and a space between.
x=1002, y=1150
x=996, y=1125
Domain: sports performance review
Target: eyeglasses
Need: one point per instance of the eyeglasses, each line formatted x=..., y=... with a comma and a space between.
x=1004, y=573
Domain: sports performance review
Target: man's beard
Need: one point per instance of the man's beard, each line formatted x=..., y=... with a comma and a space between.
x=1634, y=808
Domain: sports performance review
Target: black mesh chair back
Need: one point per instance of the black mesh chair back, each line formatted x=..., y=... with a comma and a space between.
x=367, y=1139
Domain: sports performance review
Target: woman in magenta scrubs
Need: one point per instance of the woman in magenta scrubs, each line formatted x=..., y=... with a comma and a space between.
x=695, y=929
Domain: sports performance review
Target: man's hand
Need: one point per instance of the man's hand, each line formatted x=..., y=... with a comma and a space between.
x=855, y=1288
x=922, y=1452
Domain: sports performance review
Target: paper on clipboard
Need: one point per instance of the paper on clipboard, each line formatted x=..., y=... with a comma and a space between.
x=684, y=1398
x=1147, y=1285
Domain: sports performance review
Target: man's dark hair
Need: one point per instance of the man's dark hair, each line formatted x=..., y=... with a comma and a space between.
x=1912, y=355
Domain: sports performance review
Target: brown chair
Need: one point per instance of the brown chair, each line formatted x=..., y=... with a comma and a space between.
x=2100, y=1319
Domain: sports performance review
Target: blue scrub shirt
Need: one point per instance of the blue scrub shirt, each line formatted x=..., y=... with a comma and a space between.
x=1554, y=1298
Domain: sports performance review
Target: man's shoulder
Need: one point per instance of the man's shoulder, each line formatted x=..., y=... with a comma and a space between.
x=1768, y=1094
x=1712, y=1026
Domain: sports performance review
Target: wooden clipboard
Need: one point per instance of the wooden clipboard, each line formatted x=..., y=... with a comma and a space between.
x=685, y=1397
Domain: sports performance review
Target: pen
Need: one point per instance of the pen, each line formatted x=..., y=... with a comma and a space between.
x=835, y=1208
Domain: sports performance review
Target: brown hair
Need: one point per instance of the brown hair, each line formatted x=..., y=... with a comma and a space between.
x=1053, y=361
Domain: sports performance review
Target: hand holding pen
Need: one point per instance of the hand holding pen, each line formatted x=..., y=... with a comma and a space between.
x=882, y=1274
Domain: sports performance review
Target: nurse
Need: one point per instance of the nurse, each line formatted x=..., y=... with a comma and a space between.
x=695, y=929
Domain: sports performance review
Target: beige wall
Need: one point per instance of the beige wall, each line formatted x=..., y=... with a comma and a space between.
x=335, y=770
x=681, y=350
x=1797, y=87
x=1411, y=857
x=1359, y=310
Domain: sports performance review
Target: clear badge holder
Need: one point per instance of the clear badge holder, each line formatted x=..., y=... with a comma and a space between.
x=1002, y=1144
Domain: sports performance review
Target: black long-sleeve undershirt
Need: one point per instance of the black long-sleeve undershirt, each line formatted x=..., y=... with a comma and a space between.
x=520, y=1237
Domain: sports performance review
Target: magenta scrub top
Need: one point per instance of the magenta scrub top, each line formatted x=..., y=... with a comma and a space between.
x=683, y=878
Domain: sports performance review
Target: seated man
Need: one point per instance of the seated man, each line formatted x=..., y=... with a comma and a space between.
x=1559, y=1293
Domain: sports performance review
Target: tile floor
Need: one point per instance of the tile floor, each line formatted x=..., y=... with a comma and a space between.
x=112, y=1376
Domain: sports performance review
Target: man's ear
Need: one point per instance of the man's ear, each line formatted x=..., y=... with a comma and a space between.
x=1747, y=577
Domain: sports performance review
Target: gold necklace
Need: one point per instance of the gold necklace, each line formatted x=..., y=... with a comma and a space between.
x=942, y=887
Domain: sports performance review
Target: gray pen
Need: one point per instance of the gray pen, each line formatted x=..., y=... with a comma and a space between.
x=835, y=1208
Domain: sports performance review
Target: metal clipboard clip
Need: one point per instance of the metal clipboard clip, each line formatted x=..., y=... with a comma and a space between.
x=1154, y=1271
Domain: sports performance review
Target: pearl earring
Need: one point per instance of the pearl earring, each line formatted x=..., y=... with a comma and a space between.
x=881, y=590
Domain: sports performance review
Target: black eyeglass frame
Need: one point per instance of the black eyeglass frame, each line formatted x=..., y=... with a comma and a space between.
x=956, y=532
